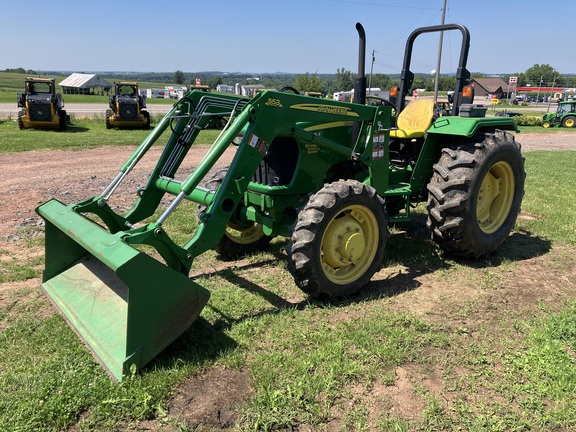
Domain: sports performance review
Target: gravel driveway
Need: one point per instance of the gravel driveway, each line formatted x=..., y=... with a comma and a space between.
x=32, y=178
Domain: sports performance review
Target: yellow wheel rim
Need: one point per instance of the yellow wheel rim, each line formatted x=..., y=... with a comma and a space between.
x=244, y=235
x=546, y=124
x=569, y=122
x=349, y=244
x=495, y=197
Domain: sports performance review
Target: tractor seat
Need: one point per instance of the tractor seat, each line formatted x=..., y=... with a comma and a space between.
x=414, y=120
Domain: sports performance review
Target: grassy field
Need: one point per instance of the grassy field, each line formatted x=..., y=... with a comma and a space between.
x=81, y=135
x=320, y=366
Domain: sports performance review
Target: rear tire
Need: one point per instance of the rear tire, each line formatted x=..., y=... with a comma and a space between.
x=339, y=240
x=475, y=194
x=569, y=121
x=62, y=124
x=146, y=115
x=239, y=239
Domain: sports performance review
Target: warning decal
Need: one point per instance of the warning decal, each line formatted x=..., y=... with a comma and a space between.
x=258, y=144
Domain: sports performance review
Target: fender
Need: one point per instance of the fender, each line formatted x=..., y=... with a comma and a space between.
x=466, y=126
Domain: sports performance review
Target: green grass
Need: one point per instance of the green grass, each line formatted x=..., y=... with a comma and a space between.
x=81, y=135
x=551, y=194
x=318, y=365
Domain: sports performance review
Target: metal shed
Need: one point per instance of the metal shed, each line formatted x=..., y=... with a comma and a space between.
x=79, y=83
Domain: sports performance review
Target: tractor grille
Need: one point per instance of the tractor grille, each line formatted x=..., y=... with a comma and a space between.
x=40, y=112
x=128, y=111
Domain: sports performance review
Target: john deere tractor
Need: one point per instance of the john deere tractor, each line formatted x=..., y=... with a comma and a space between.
x=42, y=107
x=327, y=176
x=564, y=116
x=127, y=107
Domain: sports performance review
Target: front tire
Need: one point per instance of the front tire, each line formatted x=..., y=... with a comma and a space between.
x=475, y=194
x=109, y=114
x=339, y=240
x=239, y=239
x=21, y=115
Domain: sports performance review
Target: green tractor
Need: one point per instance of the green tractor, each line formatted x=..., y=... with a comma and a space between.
x=328, y=176
x=42, y=107
x=127, y=107
x=565, y=115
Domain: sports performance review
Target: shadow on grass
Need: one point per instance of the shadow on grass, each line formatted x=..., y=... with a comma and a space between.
x=414, y=250
x=202, y=343
x=205, y=342
x=76, y=129
x=411, y=248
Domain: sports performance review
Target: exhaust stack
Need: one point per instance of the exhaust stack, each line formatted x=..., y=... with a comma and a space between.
x=360, y=84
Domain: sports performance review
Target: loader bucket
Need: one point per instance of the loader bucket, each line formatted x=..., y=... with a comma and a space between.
x=124, y=304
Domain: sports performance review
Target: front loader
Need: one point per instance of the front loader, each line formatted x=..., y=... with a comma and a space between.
x=327, y=175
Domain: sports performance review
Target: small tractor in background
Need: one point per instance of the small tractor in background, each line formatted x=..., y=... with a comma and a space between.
x=42, y=107
x=564, y=116
x=328, y=176
x=127, y=107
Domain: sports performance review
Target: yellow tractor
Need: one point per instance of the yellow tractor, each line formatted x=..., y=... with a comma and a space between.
x=127, y=107
x=41, y=107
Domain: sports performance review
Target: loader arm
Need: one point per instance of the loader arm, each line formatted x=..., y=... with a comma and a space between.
x=267, y=116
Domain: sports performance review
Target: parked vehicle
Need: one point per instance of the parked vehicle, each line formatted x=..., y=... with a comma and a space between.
x=564, y=116
x=507, y=114
x=127, y=107
x=42, y=107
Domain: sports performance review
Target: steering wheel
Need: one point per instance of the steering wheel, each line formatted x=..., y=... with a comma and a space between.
x=288, y=88
x=384, y=102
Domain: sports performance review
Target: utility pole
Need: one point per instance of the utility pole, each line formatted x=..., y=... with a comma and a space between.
x=371, y=70
x=437, y=79
x=539, y=88
x=551, y=93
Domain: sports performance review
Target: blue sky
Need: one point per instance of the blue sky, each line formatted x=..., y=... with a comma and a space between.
x=296, y=36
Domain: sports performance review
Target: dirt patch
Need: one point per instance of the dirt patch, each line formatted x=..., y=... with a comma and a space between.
x=212, y=398
x=556, y=141
x=32, y=178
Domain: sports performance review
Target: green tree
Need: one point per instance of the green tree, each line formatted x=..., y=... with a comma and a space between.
x=544, y=71
x=344, y=80
x=447, y=83
x=381, y=81
x=178, y=77
x=419, y=82
x=214, y=81
x=307, y=83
